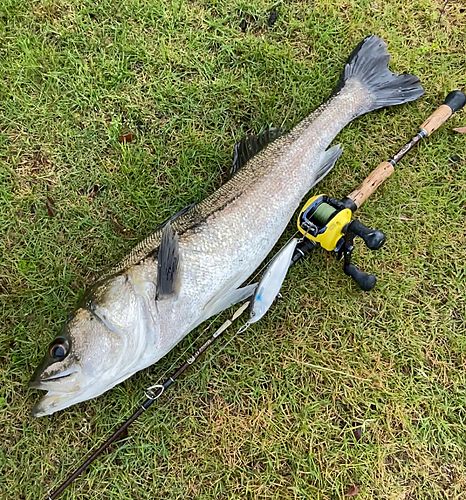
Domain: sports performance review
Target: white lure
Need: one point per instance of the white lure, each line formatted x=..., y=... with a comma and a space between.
x=271, y=282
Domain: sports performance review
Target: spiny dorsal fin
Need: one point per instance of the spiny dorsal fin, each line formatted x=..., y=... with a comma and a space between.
x=250, y=145
x=168, y=265
x=190, y=216
x=173, y=217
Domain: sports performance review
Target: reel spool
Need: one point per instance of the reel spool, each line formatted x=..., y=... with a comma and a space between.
x=327, y=221
x=322, y=220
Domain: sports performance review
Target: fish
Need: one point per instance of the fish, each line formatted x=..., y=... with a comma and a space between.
x=193, y=266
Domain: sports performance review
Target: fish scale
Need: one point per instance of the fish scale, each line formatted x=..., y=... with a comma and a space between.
x=253, y=218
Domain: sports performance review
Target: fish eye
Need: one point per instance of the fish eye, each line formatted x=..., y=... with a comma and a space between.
x=59, y=349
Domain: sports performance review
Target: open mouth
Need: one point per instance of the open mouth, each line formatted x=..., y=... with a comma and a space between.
x=41, y=384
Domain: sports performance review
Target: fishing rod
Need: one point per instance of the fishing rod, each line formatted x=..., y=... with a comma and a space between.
x=328, y=221
x=323, y=220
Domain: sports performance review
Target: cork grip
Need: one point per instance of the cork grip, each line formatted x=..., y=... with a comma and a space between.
x=371, y=183
x=437, y=118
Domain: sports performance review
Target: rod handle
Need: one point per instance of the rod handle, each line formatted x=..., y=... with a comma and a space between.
x=454, y=101
x=371, y=183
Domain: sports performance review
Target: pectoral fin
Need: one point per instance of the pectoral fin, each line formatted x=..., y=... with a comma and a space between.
x=168, y=266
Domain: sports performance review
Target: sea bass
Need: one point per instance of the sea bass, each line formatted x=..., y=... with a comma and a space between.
x=192, y=267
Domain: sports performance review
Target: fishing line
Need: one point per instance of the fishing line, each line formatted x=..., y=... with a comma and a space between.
x=190, y=346
x=240, y=330
x=454, y=101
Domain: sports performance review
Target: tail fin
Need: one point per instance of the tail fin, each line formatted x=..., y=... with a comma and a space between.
x=368, y=63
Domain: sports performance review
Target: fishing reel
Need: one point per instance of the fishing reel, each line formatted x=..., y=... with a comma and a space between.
x=327, y=221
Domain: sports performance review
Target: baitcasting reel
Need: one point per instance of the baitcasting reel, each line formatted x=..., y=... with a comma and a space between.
x=327, y=221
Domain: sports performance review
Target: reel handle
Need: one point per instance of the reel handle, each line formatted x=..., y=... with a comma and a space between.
x=373, y=238
x=365, y=281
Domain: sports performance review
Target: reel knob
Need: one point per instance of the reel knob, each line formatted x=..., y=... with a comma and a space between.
x=373, y=238
x=302, y=248
x=365, y=281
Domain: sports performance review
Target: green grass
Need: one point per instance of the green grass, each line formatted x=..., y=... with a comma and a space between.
x=260, y=420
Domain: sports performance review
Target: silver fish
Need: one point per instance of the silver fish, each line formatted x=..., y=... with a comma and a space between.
x=191, y=268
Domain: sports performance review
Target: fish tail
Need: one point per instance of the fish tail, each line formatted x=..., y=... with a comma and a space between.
x=368, y=64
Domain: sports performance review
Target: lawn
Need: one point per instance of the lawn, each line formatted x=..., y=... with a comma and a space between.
x=335, y=387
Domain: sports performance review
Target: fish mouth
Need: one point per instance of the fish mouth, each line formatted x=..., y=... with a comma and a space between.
x=50, y=403
x=62, y=391
x=44, y=383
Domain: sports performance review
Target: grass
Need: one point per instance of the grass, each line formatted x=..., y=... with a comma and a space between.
x=334, y=387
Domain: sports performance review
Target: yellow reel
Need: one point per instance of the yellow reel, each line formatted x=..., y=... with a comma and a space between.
x=322, y=222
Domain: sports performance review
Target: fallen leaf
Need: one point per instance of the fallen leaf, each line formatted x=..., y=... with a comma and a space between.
x=48, y=205
x=352, y=491
x=460, y=130
x=95, y=190
x=272, y=18
x=121, y=230
x=357, y=431
x=405, y=217
x=123, y=435
x=126, y=137
x=116, y=444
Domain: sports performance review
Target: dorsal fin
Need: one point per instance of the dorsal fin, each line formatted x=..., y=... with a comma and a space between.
x=173, y=217
x=188, y=217
x=250, y=145
x=168, y=264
